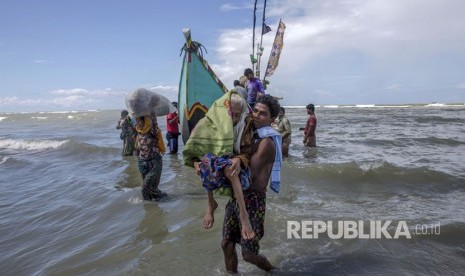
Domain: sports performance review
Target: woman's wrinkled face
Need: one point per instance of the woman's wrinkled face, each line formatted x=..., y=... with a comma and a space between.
x=236, y=112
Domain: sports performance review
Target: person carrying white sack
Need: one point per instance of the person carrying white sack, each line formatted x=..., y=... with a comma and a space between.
x=145, y=106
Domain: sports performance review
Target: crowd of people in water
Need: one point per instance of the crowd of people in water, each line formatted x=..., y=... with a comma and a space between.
x=238, y=160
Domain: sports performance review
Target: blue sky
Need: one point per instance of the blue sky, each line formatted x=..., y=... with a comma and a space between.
x=80, y=55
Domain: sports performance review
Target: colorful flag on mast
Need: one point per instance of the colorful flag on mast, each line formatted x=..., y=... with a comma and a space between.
x=276, y=50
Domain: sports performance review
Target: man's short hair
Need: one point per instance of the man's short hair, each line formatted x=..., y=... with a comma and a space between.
x=236, y=83
x=311, y=107
x=272, y=103
x=282, y=109
x=248, y=71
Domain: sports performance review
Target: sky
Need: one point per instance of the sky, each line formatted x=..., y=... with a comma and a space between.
x=86, y=55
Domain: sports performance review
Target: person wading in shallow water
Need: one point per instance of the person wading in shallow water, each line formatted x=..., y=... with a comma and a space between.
x=309, y=131
x=265, y=161
x=150, y=148
x=172, y=130
x=127, y=133
x=212, y=168
x=283, y=126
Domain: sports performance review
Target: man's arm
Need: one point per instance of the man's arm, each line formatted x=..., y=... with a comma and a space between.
x=173, y=119
x=308, y=129
x=312, y=127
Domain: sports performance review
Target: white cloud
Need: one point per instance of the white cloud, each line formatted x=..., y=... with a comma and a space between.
x=69, y=92
x=42, y=61
x=80, y=99
x=393, y=87
x=389, y=42
x=169, y=91
x=74, y=101
x=233, y=7
x=98, y=93
x=15, y=101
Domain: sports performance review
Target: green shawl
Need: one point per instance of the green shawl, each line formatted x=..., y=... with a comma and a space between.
x=212, y=134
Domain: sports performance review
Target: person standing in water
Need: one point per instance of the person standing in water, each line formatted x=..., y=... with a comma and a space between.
x=127, y=133
x=236, y=164
x=265, y=166
x=309, y=132
x=172, y=130
x=283, y=126
x=149, y=160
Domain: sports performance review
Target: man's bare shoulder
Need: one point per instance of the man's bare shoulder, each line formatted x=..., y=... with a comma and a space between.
x=266, y=148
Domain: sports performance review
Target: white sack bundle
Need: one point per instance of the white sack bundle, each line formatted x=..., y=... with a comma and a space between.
x=142, y=102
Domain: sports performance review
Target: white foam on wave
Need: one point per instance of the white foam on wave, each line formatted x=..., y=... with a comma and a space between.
x=3, y=159
x=70, y=117
x=63, y=112
x=365, y=105
x=179, y=225
x=3, y=118
x=35, y=144
x=393, y=106
x=370, y=166
x=435, y=104
x=294, y=106
x=39, y=118
x=456, y=105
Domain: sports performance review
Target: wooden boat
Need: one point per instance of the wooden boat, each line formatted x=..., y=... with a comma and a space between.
x=199, y=86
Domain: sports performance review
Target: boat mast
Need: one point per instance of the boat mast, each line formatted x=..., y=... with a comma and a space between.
x=252, y=55
x=260, y=45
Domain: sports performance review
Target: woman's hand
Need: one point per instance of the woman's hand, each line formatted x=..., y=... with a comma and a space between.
x=235, y=168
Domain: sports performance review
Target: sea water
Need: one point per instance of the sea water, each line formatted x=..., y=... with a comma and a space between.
x=71, y=204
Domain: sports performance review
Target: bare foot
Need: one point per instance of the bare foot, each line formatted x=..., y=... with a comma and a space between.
x=247, y=231
x=208, y=218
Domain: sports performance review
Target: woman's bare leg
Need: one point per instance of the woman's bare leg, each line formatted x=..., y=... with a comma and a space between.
x=208, y=218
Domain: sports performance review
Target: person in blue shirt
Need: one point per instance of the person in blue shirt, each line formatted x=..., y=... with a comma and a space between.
x=254, y=87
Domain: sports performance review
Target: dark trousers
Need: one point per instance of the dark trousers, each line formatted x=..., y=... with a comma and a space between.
x=172, y=142
x=150, y=171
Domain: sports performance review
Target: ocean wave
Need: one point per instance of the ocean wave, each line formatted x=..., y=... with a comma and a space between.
x=3, y=118
x=435, y=104
x=438, y=120
x=31, y=144
x=3, y=159
x=377, y=173
x=70, y=111
x=294, y=106
x=364, y=105
x=80, y=148
x=180, y=224
x=435, y=141
x=439, y=105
